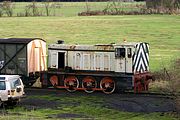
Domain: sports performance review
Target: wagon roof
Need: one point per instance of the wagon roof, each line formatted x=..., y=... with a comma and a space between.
x=18, y=40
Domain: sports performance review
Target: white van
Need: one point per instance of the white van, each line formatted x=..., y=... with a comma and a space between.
x=11, y=89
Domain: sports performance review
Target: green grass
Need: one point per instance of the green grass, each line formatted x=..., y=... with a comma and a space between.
x=92, y=112
x=162, y=32
x=85, y=107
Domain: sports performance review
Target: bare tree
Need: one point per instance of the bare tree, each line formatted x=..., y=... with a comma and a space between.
x=47, y=6
x=170, y=4
x=32, y=10
x=7, y=7
x=87, y=6
x=114, y=6
x=1, y=10
x=35, y=9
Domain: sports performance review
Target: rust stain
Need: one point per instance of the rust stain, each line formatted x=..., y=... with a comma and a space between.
x=72, y=47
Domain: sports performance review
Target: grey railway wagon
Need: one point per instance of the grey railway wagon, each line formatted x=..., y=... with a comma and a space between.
x=22, y=56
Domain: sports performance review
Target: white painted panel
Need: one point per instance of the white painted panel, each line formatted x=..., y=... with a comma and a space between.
x=99, y=61
x=78, y=60
x=120, y=65
x=112, y=61
x=106, y=62
x=92, y=57
x=86, y=62
x=70, y=59
x=53, y=59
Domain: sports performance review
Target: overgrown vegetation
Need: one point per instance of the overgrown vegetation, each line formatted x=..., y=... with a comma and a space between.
x=111, y=7
x=163, y=4
x=175, y=84
x=116, y=7
x=168, y=82
x=46, y=8
x=6, y=8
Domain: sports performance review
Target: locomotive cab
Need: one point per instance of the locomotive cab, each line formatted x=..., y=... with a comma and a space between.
x=123, y=58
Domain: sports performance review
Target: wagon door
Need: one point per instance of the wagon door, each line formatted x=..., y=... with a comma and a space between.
x=120, y=57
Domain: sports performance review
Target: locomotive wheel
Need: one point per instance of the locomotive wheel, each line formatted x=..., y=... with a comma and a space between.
x=72, y=83
x=54, y=80
x=108, y=85
x=89, y=83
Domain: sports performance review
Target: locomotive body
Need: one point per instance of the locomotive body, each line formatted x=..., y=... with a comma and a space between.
x=98, y=67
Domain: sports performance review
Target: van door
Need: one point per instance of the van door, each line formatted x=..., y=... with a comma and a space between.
x=120, y=56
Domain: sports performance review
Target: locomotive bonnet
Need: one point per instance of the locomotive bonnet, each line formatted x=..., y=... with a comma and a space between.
x=104, y=67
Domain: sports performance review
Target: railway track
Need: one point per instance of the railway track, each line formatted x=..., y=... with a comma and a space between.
x=127, y=101
x=144, y=94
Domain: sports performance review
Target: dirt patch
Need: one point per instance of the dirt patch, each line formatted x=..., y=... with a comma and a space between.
x=121, y=102
x=141, y=104
x=36, y=103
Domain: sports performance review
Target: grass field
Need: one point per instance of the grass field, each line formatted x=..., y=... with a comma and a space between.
x=162, y=32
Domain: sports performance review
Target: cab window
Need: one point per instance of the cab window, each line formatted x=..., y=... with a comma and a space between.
x=120, y=52
x=129, y=52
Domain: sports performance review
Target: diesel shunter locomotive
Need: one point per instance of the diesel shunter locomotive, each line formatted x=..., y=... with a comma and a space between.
x=101, y=67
